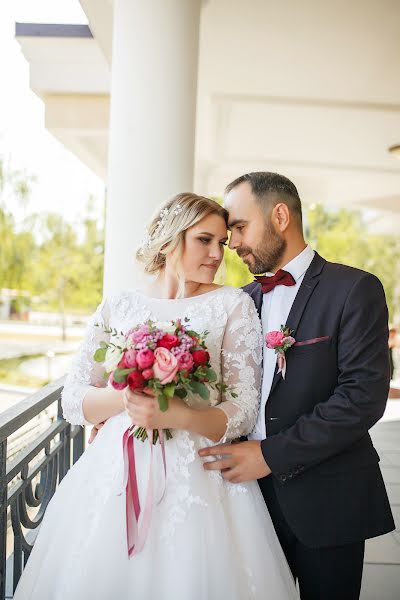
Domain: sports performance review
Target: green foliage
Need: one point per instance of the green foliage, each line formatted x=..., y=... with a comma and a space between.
x=342, y=236
x=44, y=254
x=237, y=273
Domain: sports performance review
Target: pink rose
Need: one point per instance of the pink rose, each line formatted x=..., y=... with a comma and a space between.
x=289, y=340
x=140, y=335
x=185, y=361
x=165, y=366
x=129, y=359
x=274, y=339
x=148, y=374
x=145, y=358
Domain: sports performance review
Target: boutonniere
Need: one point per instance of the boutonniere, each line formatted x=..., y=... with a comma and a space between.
x=280, y=341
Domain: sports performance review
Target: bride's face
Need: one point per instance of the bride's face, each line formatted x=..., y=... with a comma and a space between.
x=204, y=249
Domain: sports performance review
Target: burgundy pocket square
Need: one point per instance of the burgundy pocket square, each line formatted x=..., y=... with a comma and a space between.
x=312, y=341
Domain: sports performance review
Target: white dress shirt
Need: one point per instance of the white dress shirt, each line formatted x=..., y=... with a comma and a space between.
x=275, y=311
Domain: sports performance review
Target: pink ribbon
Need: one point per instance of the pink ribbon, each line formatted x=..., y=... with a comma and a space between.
x=282, y=364
x=312, y=341
x=136, y=534
x=282, y=357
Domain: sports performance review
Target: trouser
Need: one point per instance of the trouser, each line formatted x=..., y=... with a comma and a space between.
x=332, y=573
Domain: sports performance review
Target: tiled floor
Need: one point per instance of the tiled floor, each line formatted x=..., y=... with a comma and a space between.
x=381, y=580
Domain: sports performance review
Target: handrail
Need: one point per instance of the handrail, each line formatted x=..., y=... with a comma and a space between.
x=23, y=501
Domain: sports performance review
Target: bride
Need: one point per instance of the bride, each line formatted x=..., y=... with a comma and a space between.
x=208, y=539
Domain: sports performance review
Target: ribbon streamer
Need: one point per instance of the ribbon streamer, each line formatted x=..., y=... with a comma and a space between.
x=136, y=533
x=282, y=364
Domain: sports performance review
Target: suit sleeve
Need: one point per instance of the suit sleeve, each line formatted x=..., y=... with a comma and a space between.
x=359, y=398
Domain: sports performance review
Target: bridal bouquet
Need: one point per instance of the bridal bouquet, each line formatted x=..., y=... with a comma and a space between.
x=168, y=358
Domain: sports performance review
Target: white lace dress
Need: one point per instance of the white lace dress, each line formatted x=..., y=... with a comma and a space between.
x=208, y=539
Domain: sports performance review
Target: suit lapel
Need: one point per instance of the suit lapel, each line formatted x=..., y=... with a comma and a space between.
x=254, y=290
x=307, y=287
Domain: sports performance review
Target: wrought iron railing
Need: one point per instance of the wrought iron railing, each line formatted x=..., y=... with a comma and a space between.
x=29, y=478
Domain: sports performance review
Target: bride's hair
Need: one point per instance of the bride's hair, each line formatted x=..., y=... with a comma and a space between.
x=166, y=231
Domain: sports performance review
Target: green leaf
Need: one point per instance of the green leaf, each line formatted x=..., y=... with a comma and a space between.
x=200, y=389
x=169, y=390
x=100, y=355
x=163, y=402
x=181, y=393
x=120, y=375
x=211, y=375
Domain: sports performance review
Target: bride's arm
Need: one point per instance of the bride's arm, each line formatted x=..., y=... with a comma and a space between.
x=241, y=370
x=85, y=398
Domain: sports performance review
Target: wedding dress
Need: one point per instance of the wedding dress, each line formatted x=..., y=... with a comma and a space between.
x=208, y=539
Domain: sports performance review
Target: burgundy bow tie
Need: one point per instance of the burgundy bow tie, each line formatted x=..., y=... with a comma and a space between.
x=280, y=278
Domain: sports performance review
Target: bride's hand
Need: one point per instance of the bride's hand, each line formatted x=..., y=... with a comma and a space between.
x=144, y=411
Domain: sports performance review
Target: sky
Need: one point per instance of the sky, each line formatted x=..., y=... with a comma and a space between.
x=63, y=181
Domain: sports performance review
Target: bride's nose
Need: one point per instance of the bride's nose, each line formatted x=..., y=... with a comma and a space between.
x=216, y=252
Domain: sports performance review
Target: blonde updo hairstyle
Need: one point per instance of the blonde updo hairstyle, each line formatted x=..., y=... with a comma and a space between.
x=183, y=211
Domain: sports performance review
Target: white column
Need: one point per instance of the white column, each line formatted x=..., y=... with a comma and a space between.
x=152, y=122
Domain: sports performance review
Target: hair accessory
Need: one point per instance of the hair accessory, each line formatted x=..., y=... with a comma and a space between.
x=161, y=224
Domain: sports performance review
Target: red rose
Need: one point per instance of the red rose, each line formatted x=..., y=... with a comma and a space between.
x=200, y=357
x=168, y=341
x=116, y=385
x=135, y=380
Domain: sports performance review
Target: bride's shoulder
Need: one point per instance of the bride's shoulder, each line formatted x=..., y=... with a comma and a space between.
x=114, y=301
x=235, y=296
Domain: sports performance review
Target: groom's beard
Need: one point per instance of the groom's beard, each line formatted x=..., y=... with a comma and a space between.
x=268, y=256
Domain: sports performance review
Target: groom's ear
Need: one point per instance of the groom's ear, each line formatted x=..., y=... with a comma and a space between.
x=280, y=216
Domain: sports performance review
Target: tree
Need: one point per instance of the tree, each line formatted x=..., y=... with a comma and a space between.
x=343, y=236
x=17, y=242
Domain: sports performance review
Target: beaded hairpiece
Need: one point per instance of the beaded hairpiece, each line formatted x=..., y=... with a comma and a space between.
x=161, y=224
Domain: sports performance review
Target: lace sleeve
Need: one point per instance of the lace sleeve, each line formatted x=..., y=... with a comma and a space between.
x=241, y=368
x=85, y=372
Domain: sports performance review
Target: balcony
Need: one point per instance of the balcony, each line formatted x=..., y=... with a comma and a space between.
x=37, y=447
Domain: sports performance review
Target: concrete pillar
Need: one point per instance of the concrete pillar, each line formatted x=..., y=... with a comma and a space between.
x=152, y=122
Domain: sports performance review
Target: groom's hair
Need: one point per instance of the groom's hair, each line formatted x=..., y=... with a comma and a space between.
x=269, y=189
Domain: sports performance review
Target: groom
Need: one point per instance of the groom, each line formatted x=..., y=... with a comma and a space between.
x=310, y=450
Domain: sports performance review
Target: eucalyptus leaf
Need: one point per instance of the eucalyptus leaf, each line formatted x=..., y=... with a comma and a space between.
x=200, y=389
x=100, y=355
x=211, y=375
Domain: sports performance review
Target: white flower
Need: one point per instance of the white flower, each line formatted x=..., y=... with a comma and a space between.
x=165, y=326
x=113, y=356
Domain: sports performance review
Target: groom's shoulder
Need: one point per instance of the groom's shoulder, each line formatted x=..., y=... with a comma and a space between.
x=347, y=276
x=250, y=287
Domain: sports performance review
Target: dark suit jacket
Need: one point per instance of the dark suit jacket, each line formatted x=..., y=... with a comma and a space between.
x=325, y=468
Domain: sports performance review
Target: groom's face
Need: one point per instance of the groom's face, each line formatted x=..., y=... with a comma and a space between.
x=253, y=235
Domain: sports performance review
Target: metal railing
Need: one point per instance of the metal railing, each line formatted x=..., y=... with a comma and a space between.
x=29, y=479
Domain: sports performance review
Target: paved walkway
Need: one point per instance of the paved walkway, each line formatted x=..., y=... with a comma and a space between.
x=381, y=580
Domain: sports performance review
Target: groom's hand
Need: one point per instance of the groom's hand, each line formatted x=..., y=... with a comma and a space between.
x=240, y=462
